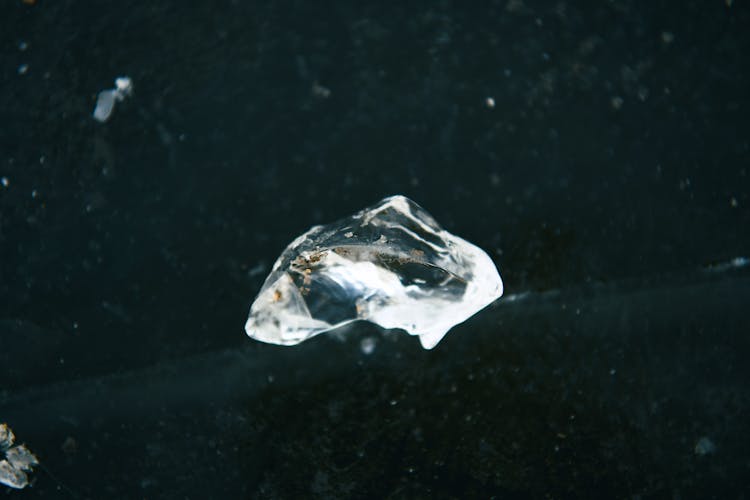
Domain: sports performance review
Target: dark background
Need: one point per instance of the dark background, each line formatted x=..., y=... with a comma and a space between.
x=609, y=183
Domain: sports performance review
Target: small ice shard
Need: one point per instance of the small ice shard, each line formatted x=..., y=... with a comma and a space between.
x=105, y=102
x=10, y=476
x=390, y=264
x=21, y=458
x=18, y=460
x=7, y=438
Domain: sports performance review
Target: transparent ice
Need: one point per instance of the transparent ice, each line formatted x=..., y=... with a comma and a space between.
x=18, y=460
x=105, y=101
x=7, y=438
x=390, y=264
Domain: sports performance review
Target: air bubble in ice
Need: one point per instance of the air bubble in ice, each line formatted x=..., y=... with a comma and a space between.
x=390, y=264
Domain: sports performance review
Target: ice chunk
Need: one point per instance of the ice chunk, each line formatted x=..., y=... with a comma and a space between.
x=7, y=438
x=10, y=476
x=21, y=458
x=18, y=460
x=105, y=102
x=123, y=87
x=390, y=264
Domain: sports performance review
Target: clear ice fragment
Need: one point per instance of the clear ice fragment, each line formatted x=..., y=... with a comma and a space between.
x=390, y=264
x=10, y=476
x=21, y=458
x=105, y=102
x=18, y=460
x=7, y=438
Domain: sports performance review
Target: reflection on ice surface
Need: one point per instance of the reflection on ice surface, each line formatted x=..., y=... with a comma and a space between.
x=390, y=264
